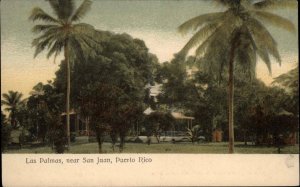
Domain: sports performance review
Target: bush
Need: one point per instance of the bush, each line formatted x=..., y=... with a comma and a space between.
x=73, y=137
x=138, y=140
x=60, y=139
x=5, y=136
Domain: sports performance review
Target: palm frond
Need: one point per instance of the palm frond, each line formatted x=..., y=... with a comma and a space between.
x=246, y=58
x=43, y=28
x=49, y=33
x=11, y=98
x=263, y=38
x=63, y=9
x=198, y=37
x=273, y=4
x=55, y=6
x=55, y=56
x=3, y=102
x=7, y=97
x=41, y=45
x=83, y=28
x=198, y=21
x=249, y=47
x=263, y=53
x=90, y=45
x=275, y=20
x=227, y=3
x=76, y=49
x=66, y=8
x=47, y=39
x=18, y=98
x=221, y=33
x=246, y=3
x=85, y=35
x=216, y=49
x=82, y=10
x=39, y=14
x=56, y=47
x=83, y=46
x=82, y=49
x=88, y=34
x=8, y=110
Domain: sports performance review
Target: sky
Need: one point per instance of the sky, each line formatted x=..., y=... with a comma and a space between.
x=154, y=21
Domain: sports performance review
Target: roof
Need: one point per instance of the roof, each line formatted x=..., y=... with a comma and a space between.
x=71, y=112
x=148, y=111
x=285, y=113
x=178, y=115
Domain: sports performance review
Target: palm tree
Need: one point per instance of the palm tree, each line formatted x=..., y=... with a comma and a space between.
x=12, y=100
x=63, y=33
x=236, y=35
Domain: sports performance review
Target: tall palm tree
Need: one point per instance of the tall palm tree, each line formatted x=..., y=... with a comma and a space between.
x=63, y=33
x=236, y=36
x=12, y=100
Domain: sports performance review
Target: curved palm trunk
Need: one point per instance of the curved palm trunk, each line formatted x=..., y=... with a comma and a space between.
x=68, y=91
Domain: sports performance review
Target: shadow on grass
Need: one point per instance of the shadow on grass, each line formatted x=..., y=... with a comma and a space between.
x=253, y=146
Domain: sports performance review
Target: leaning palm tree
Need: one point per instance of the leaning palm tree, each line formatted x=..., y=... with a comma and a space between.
x=12, y=100
x=63, y=33
x=236, y=36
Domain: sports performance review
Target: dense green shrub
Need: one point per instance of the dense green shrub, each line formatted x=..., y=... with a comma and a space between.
x=73, y=137
x=5, y=136
x=60, y=139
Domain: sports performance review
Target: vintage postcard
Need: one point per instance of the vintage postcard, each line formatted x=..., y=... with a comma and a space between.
x=149, y=92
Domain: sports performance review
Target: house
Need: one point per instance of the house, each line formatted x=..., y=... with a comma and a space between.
x=78, y=125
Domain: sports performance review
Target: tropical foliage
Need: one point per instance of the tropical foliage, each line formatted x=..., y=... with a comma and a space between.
x=290, y=82
x=44, y=109
x=157, y=123
x=108, y=78
x=232, y=40
x=5, y=132
x=109, y=89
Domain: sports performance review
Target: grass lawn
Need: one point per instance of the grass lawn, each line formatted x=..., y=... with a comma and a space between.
x=208, y=148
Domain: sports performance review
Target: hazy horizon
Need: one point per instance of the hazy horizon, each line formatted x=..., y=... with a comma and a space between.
x=153, y=21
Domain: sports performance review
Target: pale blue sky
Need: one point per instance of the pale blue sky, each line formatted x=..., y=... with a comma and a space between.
x=153, y=21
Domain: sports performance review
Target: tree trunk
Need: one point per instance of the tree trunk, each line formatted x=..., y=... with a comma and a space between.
x=113, y=136
x=99, y=140
x=12, y=122
x=158, y=139
x=148, y=140
x=230, y=98
x=122, y=141
x=37, y=130
x=12, y=119
x=68, y=91
x=245, y=137
x=157, y=136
